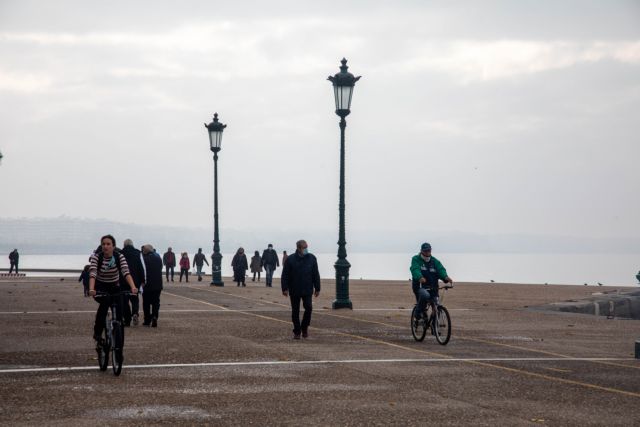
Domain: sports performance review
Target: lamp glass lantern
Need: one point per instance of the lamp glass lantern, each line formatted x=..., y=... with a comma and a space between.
x=215, y=129
x=343, y=84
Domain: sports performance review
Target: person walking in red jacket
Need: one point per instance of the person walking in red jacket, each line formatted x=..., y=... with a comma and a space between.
x=185, y=264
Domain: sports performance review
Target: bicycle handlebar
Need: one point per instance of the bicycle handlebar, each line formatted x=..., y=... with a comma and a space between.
x=106, y=294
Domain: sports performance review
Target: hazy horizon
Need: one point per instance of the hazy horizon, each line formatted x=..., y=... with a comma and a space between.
x=494, y=118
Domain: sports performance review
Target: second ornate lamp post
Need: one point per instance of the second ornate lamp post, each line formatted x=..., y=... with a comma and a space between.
x=343, y=84
x=215, y=129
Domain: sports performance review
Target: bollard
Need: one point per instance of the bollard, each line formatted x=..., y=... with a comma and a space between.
x=638, y=349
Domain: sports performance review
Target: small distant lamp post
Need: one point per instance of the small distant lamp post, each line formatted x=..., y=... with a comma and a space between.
x=343, y=84
x=215, y=129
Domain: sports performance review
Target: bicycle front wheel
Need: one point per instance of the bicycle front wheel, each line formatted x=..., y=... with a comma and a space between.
x=117, y=356
x=442, y=326
x=418, y=326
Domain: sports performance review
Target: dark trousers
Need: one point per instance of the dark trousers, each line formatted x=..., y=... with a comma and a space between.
x=424, y=294
x=239, y=276
x=103, y=308
x=150, y=305
x=295, y=312
x=269, y=269
x=167, y=274
x=13, y=264
x=184, y=271
x=254, y=276
x=129, y=310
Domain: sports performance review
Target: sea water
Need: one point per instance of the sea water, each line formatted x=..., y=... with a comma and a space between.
x=573, y=269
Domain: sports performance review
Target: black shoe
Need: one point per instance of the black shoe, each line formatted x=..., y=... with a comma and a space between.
x=146, y=323
x=154, y=323
x=296, y=336
x=305, y=334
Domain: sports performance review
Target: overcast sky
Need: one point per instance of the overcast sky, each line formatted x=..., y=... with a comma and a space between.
x=486, y=117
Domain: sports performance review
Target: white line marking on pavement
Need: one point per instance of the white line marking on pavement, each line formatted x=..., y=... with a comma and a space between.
x=230, y=310
x=323, y=362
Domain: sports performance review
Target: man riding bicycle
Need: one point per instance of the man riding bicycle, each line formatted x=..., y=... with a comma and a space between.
x=107, y=267
x=426, y=270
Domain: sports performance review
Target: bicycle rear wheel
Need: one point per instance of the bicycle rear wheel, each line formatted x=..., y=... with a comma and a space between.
x=442, y=326
x=102, y=348
x=418, y=326
x=117, y=356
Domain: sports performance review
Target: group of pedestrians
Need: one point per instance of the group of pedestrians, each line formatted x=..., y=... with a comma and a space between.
x=112, y=270
x=269, y=261
x=169, y=262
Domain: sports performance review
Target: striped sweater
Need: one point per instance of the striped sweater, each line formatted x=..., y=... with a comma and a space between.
x=108, y=271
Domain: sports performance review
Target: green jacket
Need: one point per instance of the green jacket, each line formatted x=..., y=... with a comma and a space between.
x=416, y=268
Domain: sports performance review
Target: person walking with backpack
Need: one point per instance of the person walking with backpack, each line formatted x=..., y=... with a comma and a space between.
x=169, y=261
x=198, y=261
x=184, y=266
x=108, y=266
x=256, y=266
x=240, y=266
x=270, y=262
x=137, y=270
x=84, y=278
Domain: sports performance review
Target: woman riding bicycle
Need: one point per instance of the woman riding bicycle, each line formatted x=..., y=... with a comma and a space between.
x=107, y=267
x=425, y=273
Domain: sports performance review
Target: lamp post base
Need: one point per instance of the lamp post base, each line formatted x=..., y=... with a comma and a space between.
x=342, y=303
x=216, y=271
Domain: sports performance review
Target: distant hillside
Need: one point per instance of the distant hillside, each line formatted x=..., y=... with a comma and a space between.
x=65, y=235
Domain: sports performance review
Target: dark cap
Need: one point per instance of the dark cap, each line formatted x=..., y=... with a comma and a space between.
x=425, y=247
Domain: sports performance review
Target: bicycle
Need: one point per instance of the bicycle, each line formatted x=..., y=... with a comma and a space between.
x=440, y=326
x=111, y=338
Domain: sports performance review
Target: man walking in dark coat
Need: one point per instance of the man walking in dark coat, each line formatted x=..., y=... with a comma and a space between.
x=153, y=286
x=14, y=258
x=169, y=260
x=300, y=280
x=270, y=262
x=198, y=261
x=137, y=270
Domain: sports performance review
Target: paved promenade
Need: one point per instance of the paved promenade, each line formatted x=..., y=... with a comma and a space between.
x=224, y=356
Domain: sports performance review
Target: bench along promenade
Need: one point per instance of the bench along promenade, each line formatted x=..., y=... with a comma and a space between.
x=224, y=356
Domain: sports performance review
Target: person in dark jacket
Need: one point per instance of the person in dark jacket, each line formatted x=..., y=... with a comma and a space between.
x=14, y=258
x=270, y=262
x=256, y=266
x=300, y=280
x=240, y=266
x=169, y=261
x=131, y=308
x=153, y=286
x=185, y=264
x=84, y=278
x=198, y=261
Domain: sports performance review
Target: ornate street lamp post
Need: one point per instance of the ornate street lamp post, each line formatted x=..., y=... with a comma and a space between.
x=343, y=84
x=215, y=129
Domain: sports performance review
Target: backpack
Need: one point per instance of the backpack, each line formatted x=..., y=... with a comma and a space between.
x=116, y=254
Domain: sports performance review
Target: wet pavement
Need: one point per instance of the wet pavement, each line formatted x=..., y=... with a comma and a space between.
x=224, y=356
